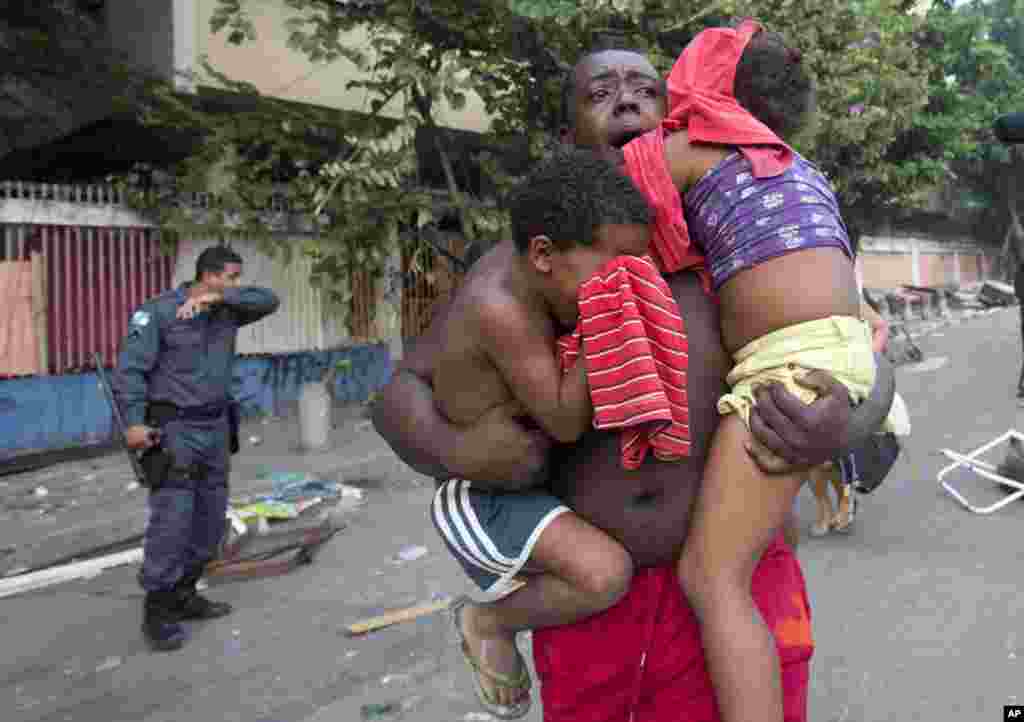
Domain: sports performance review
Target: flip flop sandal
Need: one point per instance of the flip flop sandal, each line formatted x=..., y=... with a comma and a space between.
x=520, y=681
x=846, y=526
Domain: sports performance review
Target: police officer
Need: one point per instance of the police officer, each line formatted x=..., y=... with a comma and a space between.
x=173, y=383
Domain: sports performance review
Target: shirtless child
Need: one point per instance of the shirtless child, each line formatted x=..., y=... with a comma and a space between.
x=572, y=215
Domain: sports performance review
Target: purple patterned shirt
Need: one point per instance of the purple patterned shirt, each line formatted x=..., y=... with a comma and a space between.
x=739, y=221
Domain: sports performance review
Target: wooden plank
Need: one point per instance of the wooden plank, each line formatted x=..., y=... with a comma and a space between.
x=39, y=310
x=395, y=617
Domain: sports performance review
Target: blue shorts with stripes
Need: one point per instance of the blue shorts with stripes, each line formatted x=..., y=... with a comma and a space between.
x=492, y=535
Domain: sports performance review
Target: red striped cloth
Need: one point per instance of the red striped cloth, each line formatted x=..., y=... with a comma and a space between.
x=636, y=349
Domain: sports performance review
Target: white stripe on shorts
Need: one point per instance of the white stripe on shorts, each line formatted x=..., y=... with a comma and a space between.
x=462, y=540
x=478, y=529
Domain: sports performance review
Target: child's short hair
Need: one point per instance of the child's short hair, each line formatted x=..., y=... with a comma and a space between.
x=773, y=83
x=569, y=195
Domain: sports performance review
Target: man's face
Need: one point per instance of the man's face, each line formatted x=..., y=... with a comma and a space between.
x=618, y=96
x=230, y=277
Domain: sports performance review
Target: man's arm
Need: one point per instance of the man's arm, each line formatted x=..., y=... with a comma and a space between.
x=139, y=351
x=497, y=453
x=250, y=303
x=525, y=358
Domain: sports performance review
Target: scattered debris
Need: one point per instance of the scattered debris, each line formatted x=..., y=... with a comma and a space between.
x=41, y=491
x=380, y=711
x=396, y=617
x=932, y=364
x=89, y=478
x=304, y=504
x=259, y=525
x=392, y=678
x=133, y=486
x=268, y=509
x=255, y=440
x=413, y=702
x=276, y=552
x=109, y=663
x=290, y=487
x=994, y=293
x=411, y=553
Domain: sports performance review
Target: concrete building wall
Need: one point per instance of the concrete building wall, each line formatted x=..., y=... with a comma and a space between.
x=276, y=70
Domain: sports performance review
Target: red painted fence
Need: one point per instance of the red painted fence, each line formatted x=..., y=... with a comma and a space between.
x=95, y=277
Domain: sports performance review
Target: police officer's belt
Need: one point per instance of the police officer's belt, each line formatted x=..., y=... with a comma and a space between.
x=161, y=412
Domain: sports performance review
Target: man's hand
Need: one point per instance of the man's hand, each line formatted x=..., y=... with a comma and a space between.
x=141, y=437
x=195, y=305
x=499, y=449
x=797, y=435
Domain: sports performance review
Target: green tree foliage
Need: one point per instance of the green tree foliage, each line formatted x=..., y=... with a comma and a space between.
x=872, y=75
x=976, y=52
x=891, y=122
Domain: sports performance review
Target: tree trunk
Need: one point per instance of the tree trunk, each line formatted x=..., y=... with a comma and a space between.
x=424, y=106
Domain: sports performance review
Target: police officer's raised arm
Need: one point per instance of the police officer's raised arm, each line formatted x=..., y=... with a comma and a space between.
x=137, y=359
x=250, y=303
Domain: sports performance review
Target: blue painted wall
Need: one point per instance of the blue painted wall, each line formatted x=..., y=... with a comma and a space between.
x=39, y=413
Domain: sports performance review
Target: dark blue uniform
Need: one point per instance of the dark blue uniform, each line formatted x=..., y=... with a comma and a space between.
x=186, y=363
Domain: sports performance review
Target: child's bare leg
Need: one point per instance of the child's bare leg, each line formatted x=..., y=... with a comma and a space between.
x=843, y=495
x=843, y=521
x=738, y=512
x=580, y=571
x=820, y=478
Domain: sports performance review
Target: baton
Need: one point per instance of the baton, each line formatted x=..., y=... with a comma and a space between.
x=119, y=425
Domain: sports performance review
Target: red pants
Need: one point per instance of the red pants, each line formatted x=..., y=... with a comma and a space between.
x=642, y=659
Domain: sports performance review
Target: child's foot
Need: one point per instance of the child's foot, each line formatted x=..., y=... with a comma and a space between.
x=820, y=528
x=847, y=511
x=499, y=672
x=824, y=523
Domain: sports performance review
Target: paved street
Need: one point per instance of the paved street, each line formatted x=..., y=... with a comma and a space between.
x=914, y=613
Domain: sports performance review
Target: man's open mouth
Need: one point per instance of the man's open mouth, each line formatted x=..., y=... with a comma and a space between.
x=626, y=136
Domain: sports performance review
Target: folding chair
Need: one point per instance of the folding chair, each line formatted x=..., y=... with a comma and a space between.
x=985, y=470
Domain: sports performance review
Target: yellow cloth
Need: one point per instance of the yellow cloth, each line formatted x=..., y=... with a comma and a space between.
x=839, y=345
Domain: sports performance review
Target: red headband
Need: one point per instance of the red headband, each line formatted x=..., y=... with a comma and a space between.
x=701, y=98
x=708, y=64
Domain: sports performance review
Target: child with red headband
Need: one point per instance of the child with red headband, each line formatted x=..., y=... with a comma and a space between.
x=763, y=225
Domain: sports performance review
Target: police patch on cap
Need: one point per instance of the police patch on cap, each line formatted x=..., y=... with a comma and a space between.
x=140, y=318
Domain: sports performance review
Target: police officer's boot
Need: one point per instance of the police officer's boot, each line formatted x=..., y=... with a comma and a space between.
x=160, y=623
x=190, y=604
